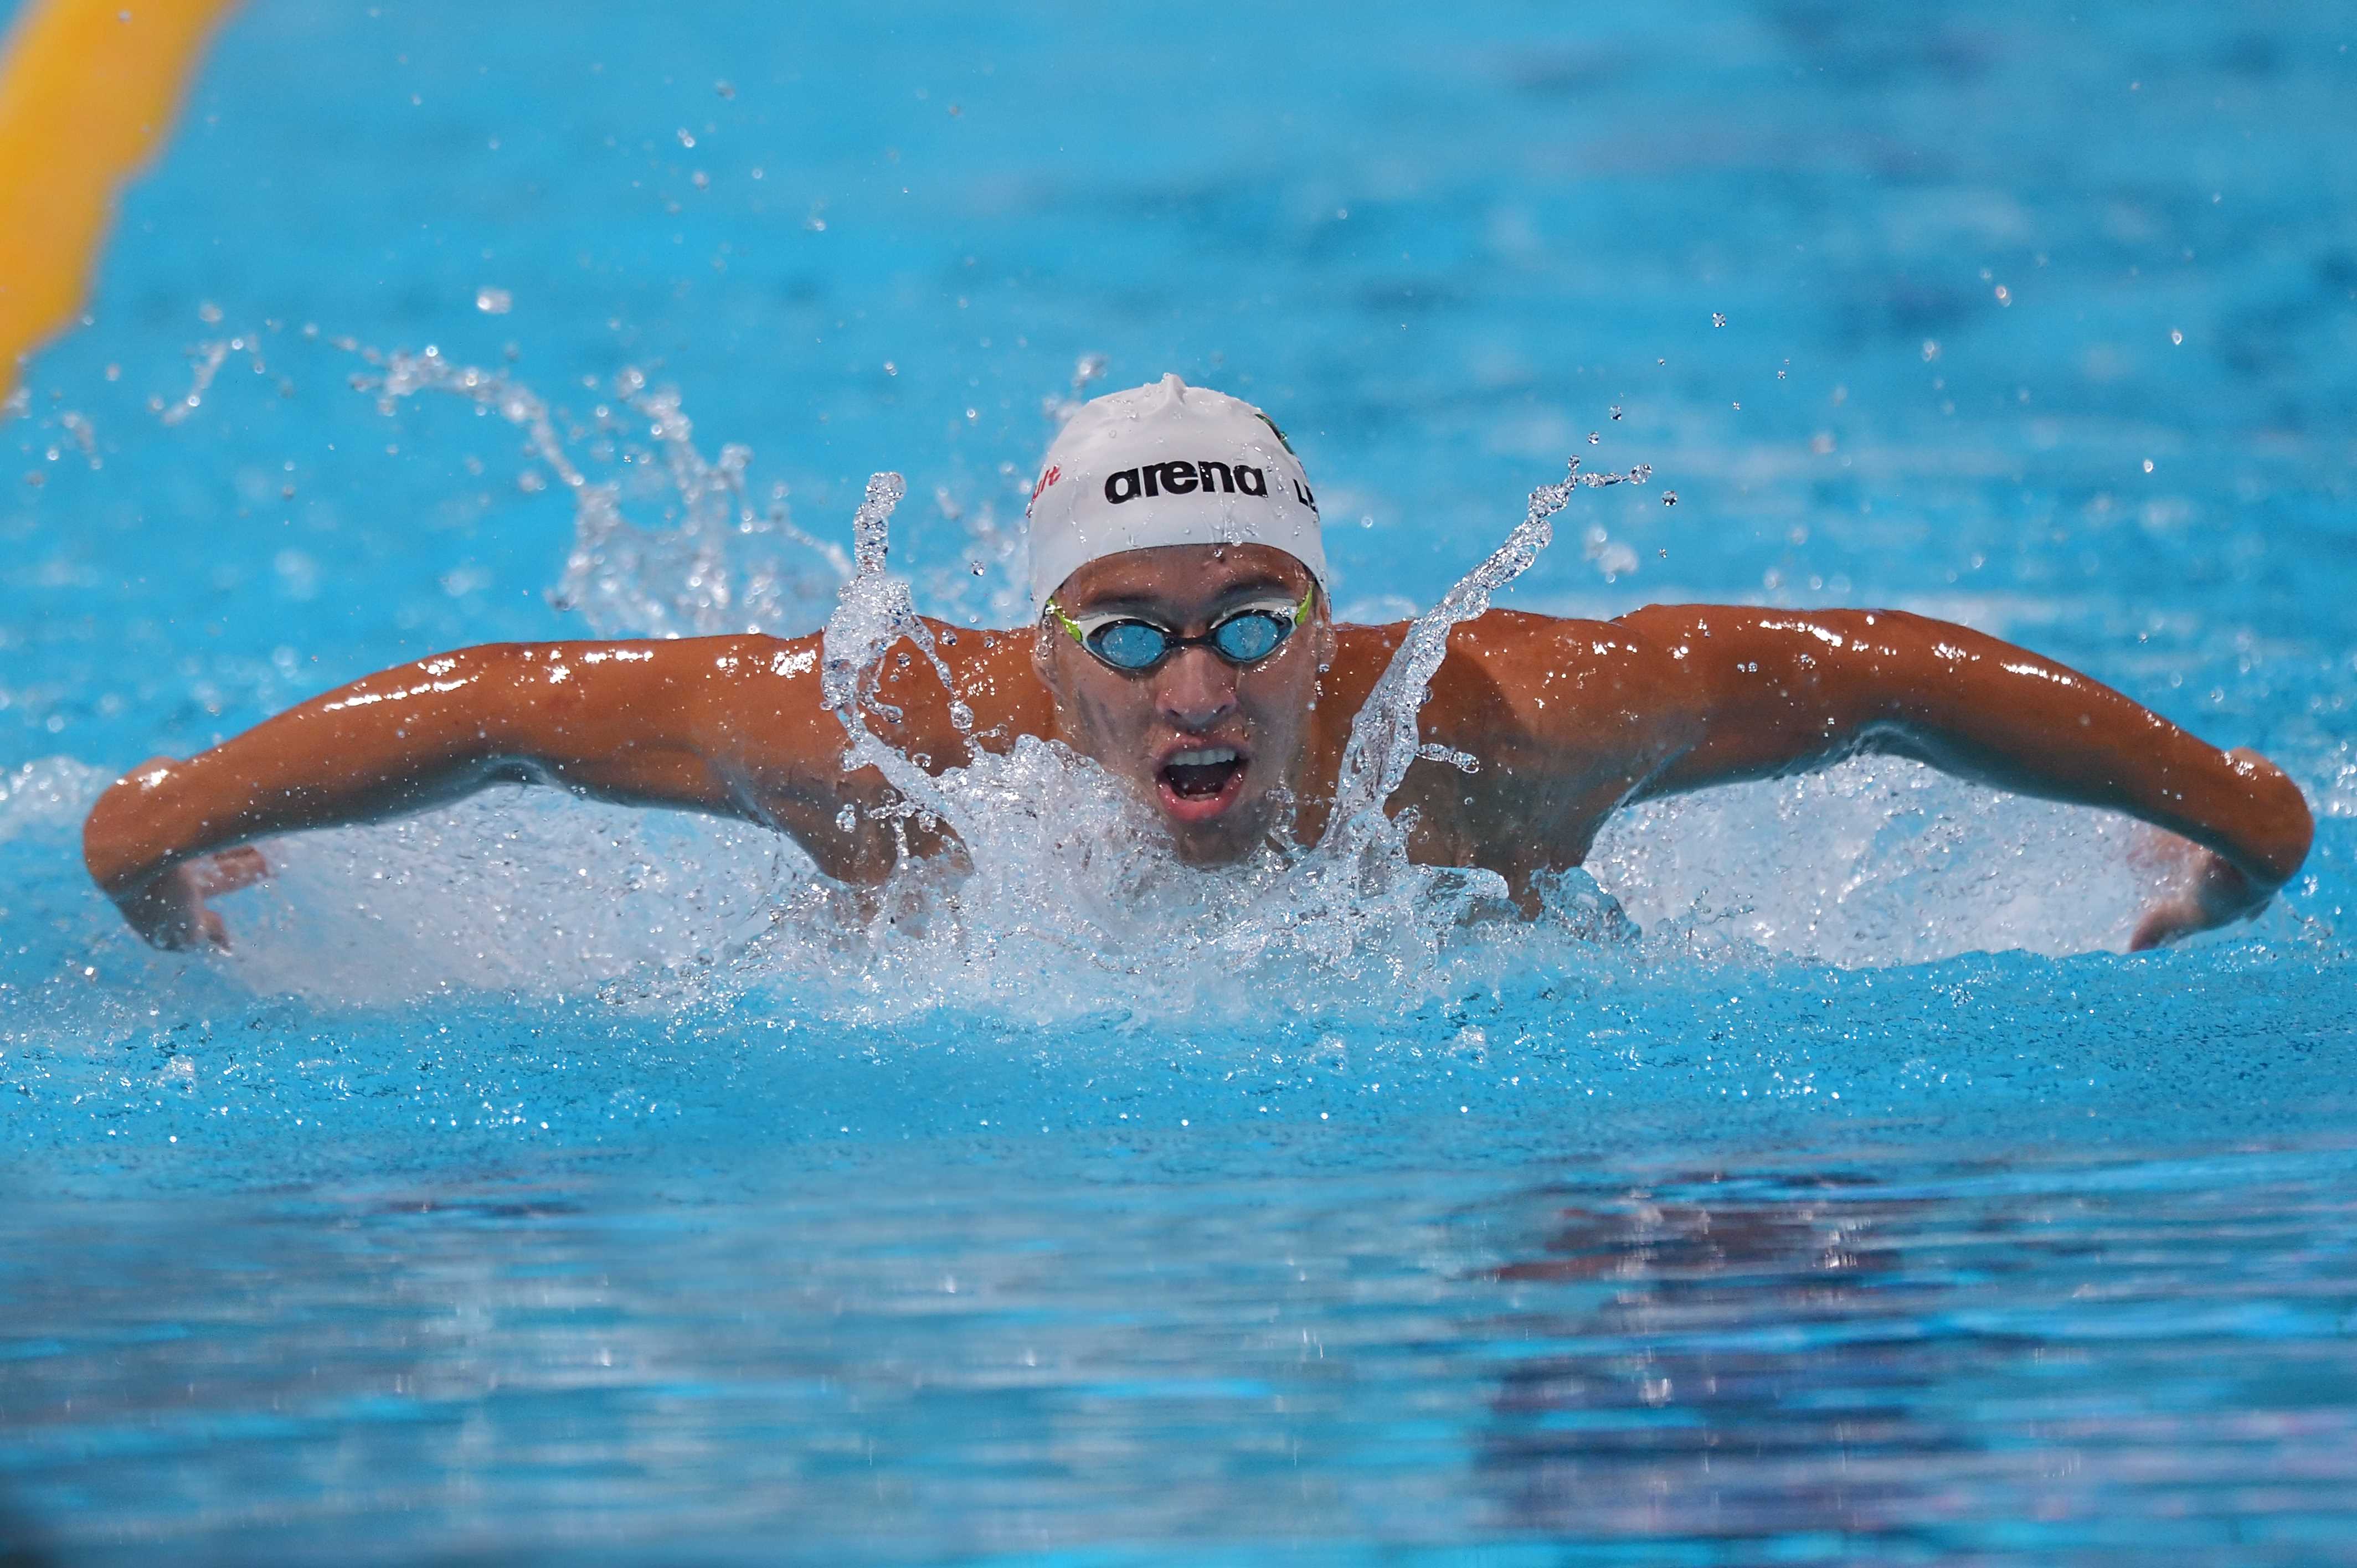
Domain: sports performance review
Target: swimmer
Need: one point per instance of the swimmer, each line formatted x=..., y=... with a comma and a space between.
x=1182, y=636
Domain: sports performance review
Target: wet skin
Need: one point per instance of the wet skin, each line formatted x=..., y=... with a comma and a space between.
x=1571, y=719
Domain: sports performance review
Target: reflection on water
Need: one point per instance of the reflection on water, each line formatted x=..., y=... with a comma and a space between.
x=1705, y=1329
x=1782, y=1359
x=21, y=1545
x=2054, y=1364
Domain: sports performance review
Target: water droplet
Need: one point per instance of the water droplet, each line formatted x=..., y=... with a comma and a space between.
x=686, y=137
x=724, y=89
x=494, y=301
x=1615, y=410
x=1930, y=349
x=1669, y=497
x=1718, y=318
x=2147, y=464
x=2176, y=335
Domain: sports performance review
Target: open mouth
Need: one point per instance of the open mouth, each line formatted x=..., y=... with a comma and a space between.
x=1199, y=784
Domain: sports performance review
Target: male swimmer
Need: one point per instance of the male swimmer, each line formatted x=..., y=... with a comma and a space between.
x=1181, y=636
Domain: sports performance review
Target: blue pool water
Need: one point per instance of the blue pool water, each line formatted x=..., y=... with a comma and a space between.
x=543, y=1183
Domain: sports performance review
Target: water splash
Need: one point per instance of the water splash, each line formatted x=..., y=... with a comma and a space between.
x=84, y=436
x=52, y=792
x=1065, y=898
x=205, y=362
x=1058, y=410
x=1384, y=735
x=874, y=612
x=714, y=562
x=1357, y=894
x=721, y=565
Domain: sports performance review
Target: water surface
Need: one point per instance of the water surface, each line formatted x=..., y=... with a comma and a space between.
x=526, y=1188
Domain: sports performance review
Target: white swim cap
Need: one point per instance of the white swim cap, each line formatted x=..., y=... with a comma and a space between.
x=1167, y=464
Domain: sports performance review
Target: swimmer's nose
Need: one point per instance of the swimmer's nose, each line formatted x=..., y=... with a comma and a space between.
x=1197, y=689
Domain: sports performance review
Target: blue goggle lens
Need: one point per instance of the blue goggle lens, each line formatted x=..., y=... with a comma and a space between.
x=1129, y=644
x=1253, y=634
x=1246, y=638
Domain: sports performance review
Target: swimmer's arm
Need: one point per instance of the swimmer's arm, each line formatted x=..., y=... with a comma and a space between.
x=1766, y=692
x=732, y=726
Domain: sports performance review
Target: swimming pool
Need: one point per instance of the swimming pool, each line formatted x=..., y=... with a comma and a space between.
x=525, y=1187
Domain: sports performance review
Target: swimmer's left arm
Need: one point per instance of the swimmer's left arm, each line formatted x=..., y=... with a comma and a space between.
x=1756, y=694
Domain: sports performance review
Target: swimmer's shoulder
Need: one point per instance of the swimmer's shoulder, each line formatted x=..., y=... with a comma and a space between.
x=1505, y=667
x=1507, y=645
x=1518, y=678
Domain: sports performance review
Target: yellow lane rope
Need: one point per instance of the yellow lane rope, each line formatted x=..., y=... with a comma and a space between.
x=88, y=90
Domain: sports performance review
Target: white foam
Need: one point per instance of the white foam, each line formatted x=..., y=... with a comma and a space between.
x=1878, y=861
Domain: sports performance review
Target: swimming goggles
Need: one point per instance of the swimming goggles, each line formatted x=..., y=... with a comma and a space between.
x=1245, y=635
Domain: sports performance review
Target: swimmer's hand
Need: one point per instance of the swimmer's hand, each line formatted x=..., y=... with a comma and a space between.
x=2200, y=889
x=168, y=909
x=2203, y=889
x=165, y=904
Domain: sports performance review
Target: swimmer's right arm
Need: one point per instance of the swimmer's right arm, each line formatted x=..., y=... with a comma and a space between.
x=734, y=726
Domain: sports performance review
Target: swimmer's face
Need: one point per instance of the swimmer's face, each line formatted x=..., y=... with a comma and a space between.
x=1215, y=749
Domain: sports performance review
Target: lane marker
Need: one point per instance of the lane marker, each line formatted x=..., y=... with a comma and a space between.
x=88, y=89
